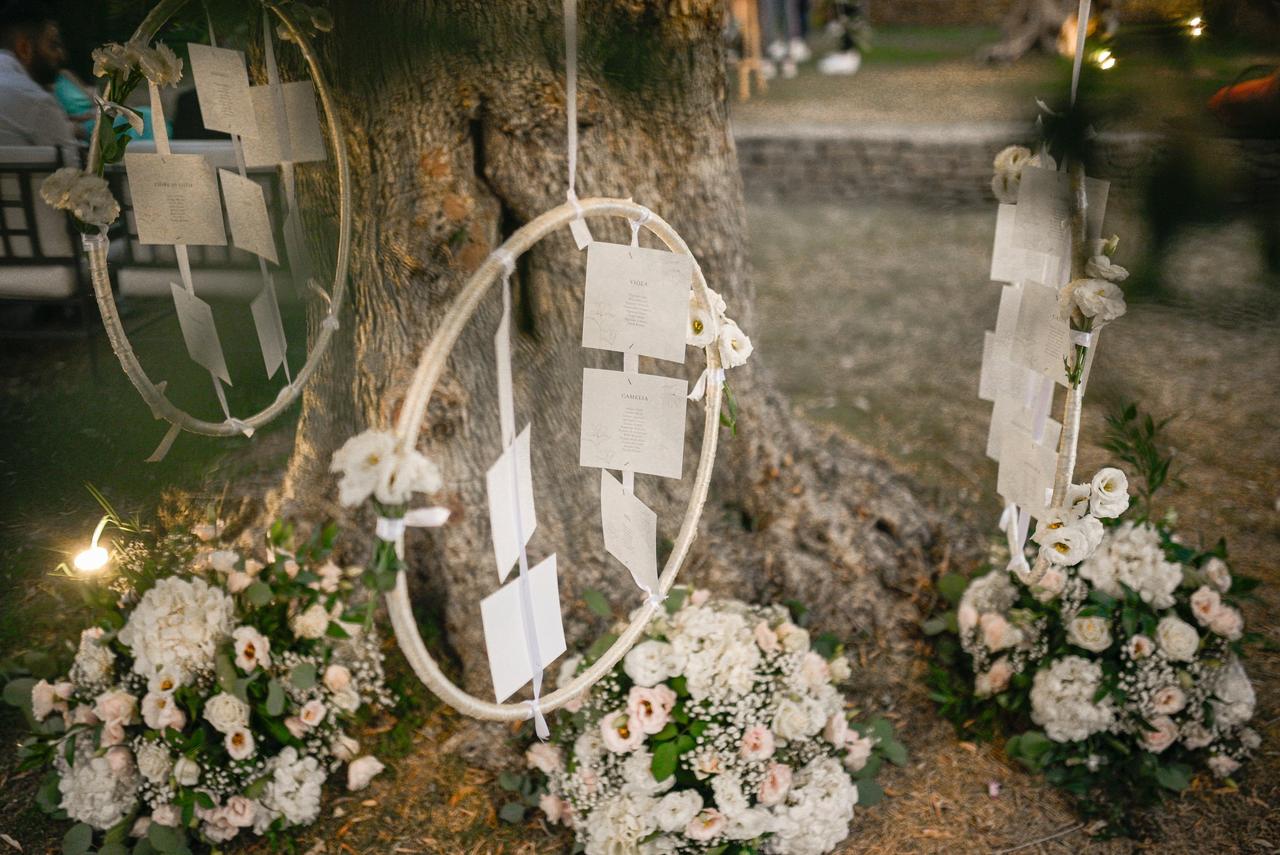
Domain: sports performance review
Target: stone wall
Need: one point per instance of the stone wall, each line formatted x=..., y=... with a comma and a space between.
x=951, y=165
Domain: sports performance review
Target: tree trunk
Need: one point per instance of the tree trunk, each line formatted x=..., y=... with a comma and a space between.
x=456, y=124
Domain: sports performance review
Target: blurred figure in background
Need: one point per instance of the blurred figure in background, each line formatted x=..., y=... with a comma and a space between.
x=782, y=32
x=31, y=56
x=849, y=22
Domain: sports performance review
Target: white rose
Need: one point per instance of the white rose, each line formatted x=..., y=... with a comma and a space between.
x=836, y=729
x=1218, y=574
x=1110, y=493
x=735, y=347
x=226, y=712
x=347, y=700
x=1177, y=638
x=840, y=669
x=361, y=771
x=186, y=772
x=1228, y=623
x=797, y=719
x=1091, y=633
x=1168, y=700
x=814, y=671
x=997, y=633
x=154, y=762
x=337, y=678
x=1205, y=603
x=677, y=809
x=223, y=560
x=311, y=623
x=647, y=664
x=240, y=811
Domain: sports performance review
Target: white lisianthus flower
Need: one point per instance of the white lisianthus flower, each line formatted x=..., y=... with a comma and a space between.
x=361, y=771
x=160, y=65
x=1077, y=504
x=1177, y=638
x=1140, y=646
x=312, y=713
x=676, y=809
x=311, y=623
x=361, y=462
x=1101, y=267
x=253, y=649
x=160, y=711
x=1218, y=574
x=620, y=732
x=1008, y=167
x=226, y=712
x=1109, y=496
x=1098, y=299
x=186, y=771
x=1091, y=633
x=1093, y=531
x=239, y=743
x=1067, y=545
x=702, y=324
x=735, y=347
x=1164, y=735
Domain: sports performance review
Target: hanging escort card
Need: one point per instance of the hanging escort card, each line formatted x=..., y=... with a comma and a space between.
x=1026, y=470
x=199, y=332
x=222, y=88
x=294, y=138
x=247, y=214
x=630, y=532
x=270, y=328
x=175, y=199
x=1012, y=263
x=1042, y=220
x=637, y=300
x=509, y=476
x=633, y=421
x=506, y=634
x=1042, y=336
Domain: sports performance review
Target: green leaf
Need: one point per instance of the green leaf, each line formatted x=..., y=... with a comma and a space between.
x=226, y=672
x=303, y=676
x=164, y=838
x=697, y=728
x=335, y=630
x=257, y=788
x=935, y=625
x=603, y=643
x=77, y=840
x=871, y=768
x=597, y=603
x=882, y=729
x=509, y=781
x=113, y=849
x=952, y=587
x=675, y=599
x=17, y=693
x=869, y=793
x=275, y=699
x=49, y=797
x=259, y=594
x=825, y=645
x=512, y=812
x=664, y=762
x=895, y=752
x=668, y=732
x=204, y=800
x=684, y=742
x=1175, y=776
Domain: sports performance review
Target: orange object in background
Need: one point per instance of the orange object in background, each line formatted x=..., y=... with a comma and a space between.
x=1250, y=106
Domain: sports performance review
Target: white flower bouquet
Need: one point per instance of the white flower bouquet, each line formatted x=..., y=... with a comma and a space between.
x=722, y=731
x=212, y=696
x=1117, y=668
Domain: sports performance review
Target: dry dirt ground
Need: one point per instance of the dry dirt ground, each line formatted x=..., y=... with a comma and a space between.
x=886, y=345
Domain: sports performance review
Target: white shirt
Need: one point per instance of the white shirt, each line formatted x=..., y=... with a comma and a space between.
x=29, y=115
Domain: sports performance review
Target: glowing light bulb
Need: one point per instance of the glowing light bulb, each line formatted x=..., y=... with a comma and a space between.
x=1109, y=62
x=92, y=560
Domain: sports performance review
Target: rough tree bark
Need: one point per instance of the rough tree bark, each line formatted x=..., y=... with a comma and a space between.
x=456, y=116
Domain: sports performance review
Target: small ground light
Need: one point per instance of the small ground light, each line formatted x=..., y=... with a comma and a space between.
x=1105, y=59
x=93, y=559
x=1197, y=26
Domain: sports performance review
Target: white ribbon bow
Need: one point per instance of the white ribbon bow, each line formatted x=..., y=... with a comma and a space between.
x=708, y=377
x=391, y=529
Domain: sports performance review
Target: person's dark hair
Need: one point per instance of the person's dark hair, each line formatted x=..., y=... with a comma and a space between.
x=23, y=18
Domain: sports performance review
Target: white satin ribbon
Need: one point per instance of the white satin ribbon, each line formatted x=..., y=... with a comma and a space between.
x=539, y=720
x=640, y=220
x=1082, y=338
x=114, y=110
x=391, y=529
x=706, y=379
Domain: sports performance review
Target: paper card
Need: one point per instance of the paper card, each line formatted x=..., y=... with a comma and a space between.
x=511, y=476
x=580, y=231
x=637, y=300
x=295, y=247
x=630, y=532
x=504, y=629
x=175, y=199
x=1021, y=400
x=1026, y=471
x=270, y=327
x=199, y=332
x=1042, y=220
x=1042, y=337
x=1012, y=263
x=632, y=421
x=247, y=214
x=222, y=87
x=304, y=141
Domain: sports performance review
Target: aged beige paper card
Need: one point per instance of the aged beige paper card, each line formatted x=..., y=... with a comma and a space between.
x=1012, y=263
x=295, y=139
x=504, y=629
x=509, y=478
x=630, y=532
x=199, y=332
x=222, y=88
x=637, y=300
x=1042, y=220
x=270, y=327
x=1042, y=337
x=632, y=421
x=175, y=199
x=247, y=214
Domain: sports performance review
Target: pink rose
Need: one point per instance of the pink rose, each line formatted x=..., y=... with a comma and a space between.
x=699, y=597
x=83, y=714
x=858, y=751
x=836, y=730
x=645, y=707
x=709, y=823
x=166, y=815
x=621, y=732
x=296, y=727
x=966, y=617
x=1164, y=735
x=337, y=678
x=998, y=633
x=757, y=743
x=765, y=637
x=239, y=811
x=1228, y=623
x=545, y=758
x=814, y=670
x=1205, y=603
x=552, y=806
x=312, y=713
x=112, y=733
x=238, y=580
x=776, y=784
x=1168, y=700
x=116, y=706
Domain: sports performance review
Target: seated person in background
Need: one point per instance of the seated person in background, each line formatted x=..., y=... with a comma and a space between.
x=31, y=55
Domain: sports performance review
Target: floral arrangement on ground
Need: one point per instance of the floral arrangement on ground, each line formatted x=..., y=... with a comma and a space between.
x=1114, y=664
x=214, y=693
x=722, y=731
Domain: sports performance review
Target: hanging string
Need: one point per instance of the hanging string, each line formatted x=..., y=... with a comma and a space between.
x=571, y=92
